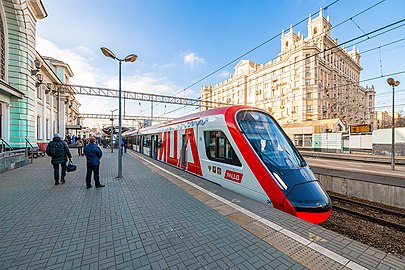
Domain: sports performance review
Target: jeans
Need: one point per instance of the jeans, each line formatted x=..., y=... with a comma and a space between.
x=80, y=150
x=56, y=171
x=95, y=169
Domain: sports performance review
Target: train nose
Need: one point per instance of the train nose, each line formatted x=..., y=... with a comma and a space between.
x=310, y=202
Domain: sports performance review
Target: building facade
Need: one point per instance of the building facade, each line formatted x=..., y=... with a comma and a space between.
x=33, y=105
x=384, y=120
x=313, y=78
x=56, y=108
x=17, y=54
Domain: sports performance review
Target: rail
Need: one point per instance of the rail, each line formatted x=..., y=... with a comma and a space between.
x=30, y=151
x=11, y=153
x=365, y=211
x=2, y=147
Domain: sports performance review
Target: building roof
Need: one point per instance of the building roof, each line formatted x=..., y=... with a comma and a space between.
x=326, y=122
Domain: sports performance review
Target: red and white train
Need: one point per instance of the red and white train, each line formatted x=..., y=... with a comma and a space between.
x=242, y=149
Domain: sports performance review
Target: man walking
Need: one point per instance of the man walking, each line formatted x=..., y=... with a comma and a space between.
x=93, y=155
x=58, y=150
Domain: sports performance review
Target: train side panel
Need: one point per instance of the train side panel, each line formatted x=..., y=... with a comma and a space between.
x=236, y=177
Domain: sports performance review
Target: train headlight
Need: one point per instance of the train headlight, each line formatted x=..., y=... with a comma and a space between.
x=280, y=181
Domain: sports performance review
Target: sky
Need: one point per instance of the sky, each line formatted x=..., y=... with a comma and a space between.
x=179, y=42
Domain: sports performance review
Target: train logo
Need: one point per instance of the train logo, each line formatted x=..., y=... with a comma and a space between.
x=233, y=176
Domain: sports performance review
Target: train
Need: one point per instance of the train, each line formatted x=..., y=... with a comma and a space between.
x=240, y=148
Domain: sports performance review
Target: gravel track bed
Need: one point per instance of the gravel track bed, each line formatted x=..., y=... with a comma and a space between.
x=375, y=235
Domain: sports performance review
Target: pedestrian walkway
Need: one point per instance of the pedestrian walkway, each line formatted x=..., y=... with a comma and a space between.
x=155, y=219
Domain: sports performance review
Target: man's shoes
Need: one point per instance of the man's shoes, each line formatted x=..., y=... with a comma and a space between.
x=56, y=183
x=62, y=180
x=100, y=186
x=88, y=187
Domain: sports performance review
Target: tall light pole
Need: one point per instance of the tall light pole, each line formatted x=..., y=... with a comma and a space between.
x=393, y=83
x=112, y=130
x=130, y=58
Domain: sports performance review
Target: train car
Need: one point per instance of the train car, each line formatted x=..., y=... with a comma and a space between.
x=242, y=149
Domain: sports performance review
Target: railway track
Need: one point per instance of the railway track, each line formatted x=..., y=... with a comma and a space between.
x=376, y=214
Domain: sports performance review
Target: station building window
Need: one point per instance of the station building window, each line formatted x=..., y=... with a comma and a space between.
x=219, y=149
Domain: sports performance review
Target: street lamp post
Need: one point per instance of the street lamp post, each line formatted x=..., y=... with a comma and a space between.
x=393, y=83
x=130, y=58
x=112, y=130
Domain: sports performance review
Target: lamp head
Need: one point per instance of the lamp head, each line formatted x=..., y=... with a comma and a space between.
x=37, y=64
x=131, y=58
x=108, y=53
x=396, y=83
x=390, y=81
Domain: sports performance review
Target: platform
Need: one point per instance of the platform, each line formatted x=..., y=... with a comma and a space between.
x=158, y=217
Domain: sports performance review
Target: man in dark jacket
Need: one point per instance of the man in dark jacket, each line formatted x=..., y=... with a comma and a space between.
x=58, y=150
x=93, y=155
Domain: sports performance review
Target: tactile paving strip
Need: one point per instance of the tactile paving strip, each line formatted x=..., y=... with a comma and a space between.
x=283, y=243
x=259, y=229
x=314, y=260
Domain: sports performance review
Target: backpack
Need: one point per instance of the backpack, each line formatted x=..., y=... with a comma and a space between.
x=57, y=149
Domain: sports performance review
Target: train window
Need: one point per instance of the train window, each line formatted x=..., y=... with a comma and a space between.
x=159, y=144
x=146, y=141
x=218, y=148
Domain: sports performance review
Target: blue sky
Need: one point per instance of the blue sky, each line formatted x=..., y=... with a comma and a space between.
x=180, y=41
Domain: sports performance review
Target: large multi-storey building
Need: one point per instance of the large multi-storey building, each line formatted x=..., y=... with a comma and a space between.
x=312, y=78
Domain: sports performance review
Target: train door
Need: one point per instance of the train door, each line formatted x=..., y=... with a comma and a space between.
x=154, y=140
x=183, y=151
x=141, y=144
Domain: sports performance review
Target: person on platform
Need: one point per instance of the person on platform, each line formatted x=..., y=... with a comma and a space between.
x=59, y=152
x=79, y=144
x=93, y=155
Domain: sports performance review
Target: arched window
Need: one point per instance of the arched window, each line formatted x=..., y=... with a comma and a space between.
x=286, y=43
x=315, y=30
x=2, y=49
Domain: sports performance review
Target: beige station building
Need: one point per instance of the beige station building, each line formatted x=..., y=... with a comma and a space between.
x=313, y=78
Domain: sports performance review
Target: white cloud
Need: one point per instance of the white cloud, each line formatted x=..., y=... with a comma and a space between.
x=192, y=59
x=224, y=74
x=84, y=73
x=144, y=83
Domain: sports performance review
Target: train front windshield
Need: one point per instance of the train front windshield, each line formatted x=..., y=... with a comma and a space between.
x=268, y=141
x=283, y=160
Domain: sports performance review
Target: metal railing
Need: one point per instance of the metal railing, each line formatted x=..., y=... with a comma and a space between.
x=12, y=153
x=3, y=144
x=29, y=151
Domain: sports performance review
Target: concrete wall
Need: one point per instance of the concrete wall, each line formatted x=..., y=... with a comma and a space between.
x=387, y=194
x=12, y=162
x=385, y=149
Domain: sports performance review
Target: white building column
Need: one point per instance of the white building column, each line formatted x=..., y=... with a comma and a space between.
x=61, y=114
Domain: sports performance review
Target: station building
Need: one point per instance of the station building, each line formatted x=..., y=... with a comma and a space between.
x=312, y=79
x=31, y=107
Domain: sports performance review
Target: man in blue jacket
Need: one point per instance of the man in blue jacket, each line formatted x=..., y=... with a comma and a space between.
x=93, y=155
